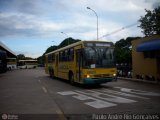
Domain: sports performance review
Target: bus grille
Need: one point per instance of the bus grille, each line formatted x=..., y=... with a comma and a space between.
x=102, y=75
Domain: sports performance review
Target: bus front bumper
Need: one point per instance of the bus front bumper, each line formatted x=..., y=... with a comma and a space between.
x=98, y=80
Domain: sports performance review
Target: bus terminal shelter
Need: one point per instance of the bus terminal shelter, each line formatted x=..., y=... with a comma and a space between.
x=146, y=58
x=10, y=55
x=9, y=52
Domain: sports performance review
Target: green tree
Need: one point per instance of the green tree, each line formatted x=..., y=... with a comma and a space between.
x=123, y=52
x=51, y=48
x=67, y=41
x=21, y=57
x=41, y=59
x=150, y=23
x=28, y=58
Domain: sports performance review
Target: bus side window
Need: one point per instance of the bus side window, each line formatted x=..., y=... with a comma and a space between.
x=71, y=54
x=63, y=56
x=66, y=55
x=60, y=56
x=53, y=57
x=49, y=58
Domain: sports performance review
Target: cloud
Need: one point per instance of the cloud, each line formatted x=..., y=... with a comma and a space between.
x=29, y=25
x=25, y=25
x=36, y=18
x=152, y=3
x=156, y=4
x=29, y=53
x=32, y=21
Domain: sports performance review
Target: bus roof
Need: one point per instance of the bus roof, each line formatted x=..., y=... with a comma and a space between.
x=74, y=44
x=26, y=60
x=68, y=46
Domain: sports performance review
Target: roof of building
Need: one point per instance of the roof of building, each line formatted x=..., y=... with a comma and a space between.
x=149, y=45
x=6, y=48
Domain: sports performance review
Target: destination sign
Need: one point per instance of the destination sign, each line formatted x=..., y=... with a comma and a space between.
x=98, y=44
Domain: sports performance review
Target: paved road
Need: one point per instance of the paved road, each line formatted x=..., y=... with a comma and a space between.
x=32, y=92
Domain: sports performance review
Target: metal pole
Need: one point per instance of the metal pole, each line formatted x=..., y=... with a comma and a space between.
x=97, y=20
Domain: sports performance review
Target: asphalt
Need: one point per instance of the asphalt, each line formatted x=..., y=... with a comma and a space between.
x=139, y=80
x=22, y=93
x=32, y=94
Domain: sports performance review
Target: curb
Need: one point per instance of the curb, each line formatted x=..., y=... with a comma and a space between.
x=139, y=80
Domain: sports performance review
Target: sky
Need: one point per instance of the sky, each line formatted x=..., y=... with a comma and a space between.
x=29, y=27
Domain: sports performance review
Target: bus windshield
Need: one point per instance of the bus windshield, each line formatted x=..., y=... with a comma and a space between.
x=98, y=57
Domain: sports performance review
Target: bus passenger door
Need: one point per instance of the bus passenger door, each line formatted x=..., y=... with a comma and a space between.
x=56, y=65
x=78, y=64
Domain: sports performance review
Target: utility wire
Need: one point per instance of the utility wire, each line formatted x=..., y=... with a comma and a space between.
x=128, y=26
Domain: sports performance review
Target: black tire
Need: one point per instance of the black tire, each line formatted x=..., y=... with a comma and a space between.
x=9, y=68
x=51, y=73
x=71, y=79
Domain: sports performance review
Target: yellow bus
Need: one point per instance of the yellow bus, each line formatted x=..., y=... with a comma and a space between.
x=27, y=64
x=84, y=62
x=11, y=63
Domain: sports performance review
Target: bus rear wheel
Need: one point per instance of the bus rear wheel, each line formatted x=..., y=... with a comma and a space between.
x=71, y=78
x=51, y=73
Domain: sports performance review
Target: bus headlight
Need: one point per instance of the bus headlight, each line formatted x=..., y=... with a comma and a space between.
x=88, y=76
x=114, y=75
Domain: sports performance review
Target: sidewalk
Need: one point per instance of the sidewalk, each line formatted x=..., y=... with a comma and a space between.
x=138, y=80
